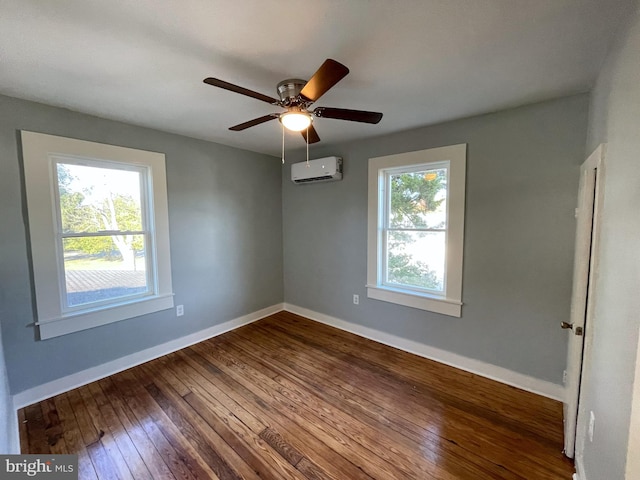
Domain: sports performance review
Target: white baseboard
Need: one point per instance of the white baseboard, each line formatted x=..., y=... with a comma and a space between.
x=75, y=380
x=500, y=374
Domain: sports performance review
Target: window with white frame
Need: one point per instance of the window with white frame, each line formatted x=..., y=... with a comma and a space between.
x=416, y=229
x=99, y=231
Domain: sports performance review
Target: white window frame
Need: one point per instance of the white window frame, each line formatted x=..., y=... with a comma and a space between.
x=146, y=209
x=41, y=154
x=450, y=301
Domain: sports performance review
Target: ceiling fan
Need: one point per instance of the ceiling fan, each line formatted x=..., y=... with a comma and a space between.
x=296, y=96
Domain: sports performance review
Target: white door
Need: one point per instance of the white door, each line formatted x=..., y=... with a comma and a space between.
x=633, y=451
x=585, y=264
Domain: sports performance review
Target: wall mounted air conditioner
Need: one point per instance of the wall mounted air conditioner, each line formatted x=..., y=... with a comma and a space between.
x=326, y=169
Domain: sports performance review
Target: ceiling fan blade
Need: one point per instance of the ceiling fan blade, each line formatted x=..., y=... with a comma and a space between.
x=241, y=90
x=329, y=73
x=346, y=114
x=313, y=135
x=254, y=122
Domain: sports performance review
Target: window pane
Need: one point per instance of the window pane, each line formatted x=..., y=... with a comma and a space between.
x=416, y=259
x=418, y=199
x=104, y=267
x=94, y=199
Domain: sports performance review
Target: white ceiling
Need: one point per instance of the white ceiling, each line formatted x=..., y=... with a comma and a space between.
x=418, y=61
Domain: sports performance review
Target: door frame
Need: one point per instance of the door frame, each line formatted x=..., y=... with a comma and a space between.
x=589, y=216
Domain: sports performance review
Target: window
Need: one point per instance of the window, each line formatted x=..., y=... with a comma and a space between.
x=99, y=231
x=416, y=225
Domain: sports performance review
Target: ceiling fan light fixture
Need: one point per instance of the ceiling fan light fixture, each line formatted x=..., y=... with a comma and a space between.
x=296, y=121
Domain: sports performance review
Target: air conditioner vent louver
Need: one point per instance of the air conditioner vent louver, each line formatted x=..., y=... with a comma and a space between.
x=320, y=170
x=314, y=179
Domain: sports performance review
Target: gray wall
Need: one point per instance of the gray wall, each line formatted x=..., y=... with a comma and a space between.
x=8, y=421
x=610, y=366
x=522, y=179
x=225, y=213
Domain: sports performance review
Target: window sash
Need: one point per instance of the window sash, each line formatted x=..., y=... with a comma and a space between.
x=104, y=233
x=384, y=270
x=415, y=229
x=146, y=193
x=150, y=283
x=146, y=232
x=384, y=213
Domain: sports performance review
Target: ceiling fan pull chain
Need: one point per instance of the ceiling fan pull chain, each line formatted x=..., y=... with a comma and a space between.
x=308, y=146
x=283, y=144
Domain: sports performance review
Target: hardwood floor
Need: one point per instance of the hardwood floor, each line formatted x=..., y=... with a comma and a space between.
x=288, y=398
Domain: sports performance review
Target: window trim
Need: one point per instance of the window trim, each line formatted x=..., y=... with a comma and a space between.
x=40, y=152
x=450, y=303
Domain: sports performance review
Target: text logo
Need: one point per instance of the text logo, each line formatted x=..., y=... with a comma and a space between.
x=52, y=467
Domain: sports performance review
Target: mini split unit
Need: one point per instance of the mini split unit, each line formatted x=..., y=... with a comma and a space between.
x=328, y=169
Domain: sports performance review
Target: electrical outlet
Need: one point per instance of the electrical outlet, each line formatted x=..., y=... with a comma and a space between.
x=356, y=299
x=564, y=377
x=592, y=425
x=179, y=310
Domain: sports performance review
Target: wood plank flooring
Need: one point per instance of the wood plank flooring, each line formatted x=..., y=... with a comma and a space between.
x=288, y=398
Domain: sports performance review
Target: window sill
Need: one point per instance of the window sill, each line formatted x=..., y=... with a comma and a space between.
x=76, y=321
x=408, y=298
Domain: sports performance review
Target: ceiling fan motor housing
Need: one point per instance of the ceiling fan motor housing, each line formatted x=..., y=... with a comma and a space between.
x=289, y=89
